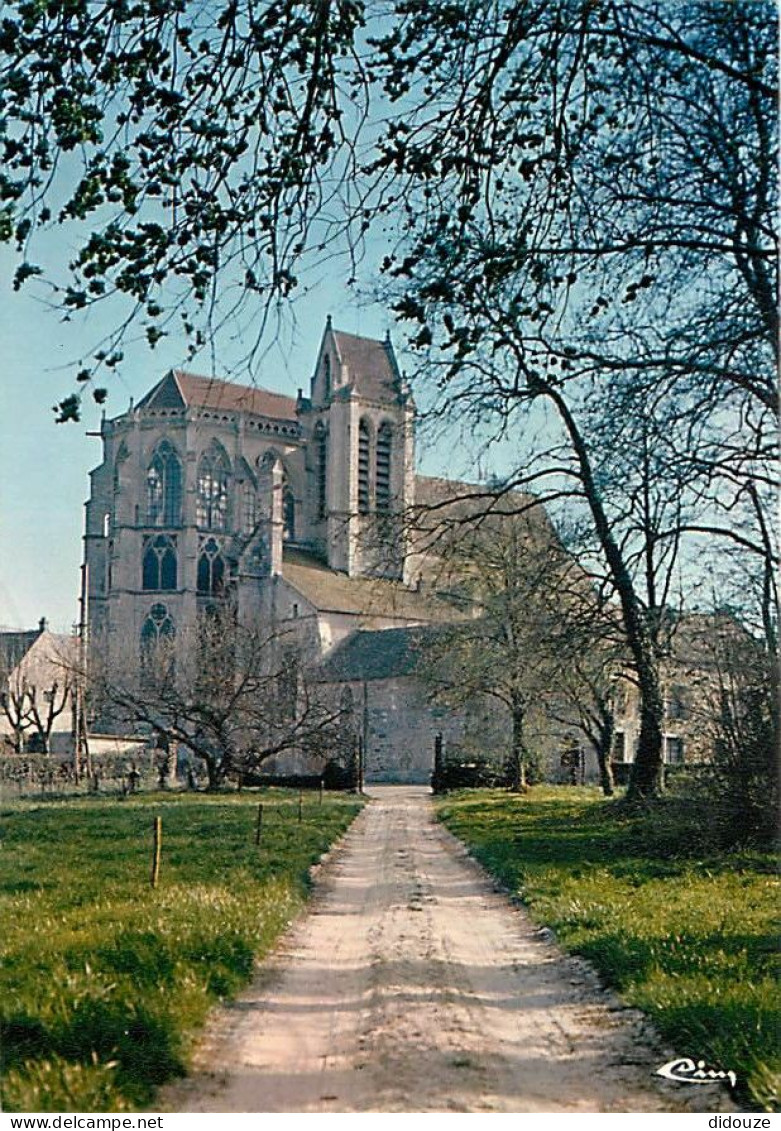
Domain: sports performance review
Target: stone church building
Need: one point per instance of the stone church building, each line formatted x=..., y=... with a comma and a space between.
x=297, y=507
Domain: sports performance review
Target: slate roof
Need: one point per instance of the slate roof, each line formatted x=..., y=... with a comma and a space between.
x=14, y=646
x=333, y=592
x=371, y=364
x=179, y=389
x=380, y=654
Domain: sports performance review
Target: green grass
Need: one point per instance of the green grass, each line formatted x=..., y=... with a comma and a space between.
x=104, y=981
x=687, y=934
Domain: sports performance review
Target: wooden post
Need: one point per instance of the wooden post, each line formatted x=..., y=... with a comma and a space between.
x=300, y=805
x=158, y=846
x=259, y=826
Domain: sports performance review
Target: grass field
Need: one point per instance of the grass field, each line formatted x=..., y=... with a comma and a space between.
x=104, y=980
x=689, y=935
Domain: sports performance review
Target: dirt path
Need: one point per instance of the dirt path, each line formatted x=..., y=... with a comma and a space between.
x=412, y=985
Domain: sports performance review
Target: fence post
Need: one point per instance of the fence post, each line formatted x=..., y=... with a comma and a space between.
x=259, y=826
x=158, y=846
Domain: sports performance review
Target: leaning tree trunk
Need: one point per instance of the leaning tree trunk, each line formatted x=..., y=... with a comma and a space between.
x=646, y=779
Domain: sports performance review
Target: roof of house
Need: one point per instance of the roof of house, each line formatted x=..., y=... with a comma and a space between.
x=179, y=389
x=330, y=591
x=371, y=364
x=377, y=654
x=14, y=646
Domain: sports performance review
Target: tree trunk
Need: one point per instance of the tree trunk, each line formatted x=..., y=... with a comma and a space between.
x=646, y=779
x=517, y=751
x=604, y=748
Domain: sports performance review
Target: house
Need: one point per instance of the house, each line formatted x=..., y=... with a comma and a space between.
x=36, y=690
x=699, y=664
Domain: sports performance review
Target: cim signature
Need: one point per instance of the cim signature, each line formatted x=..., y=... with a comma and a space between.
x=686, y=1071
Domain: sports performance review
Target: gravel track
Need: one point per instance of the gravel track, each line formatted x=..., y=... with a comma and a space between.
x=412, y=984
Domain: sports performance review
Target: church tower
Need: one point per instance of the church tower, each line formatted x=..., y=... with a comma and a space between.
x=359, y=424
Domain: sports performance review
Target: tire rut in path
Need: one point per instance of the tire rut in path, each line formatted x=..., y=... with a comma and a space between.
x=413, y=985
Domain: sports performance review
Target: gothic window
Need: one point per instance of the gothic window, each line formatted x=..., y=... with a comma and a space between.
x=157, y=629
x=159, y=562
x=363, y=467
x=384, y=438
x=321, y=465
x=211, y=569
x=288, y=515
x=213, y=481
x=327, y=376
x=249, y=508
x=164, y=487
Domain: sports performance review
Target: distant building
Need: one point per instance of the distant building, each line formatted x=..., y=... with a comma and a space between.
x=699, y=664
x=36, y=690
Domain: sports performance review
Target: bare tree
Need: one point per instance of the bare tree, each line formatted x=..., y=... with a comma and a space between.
x=45, y=707
x=526, y=643
x=33, y=697
x=233, y=694
x=593, y=240
x=15, y=701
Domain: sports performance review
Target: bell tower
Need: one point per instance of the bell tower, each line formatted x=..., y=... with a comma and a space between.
x=360, y=463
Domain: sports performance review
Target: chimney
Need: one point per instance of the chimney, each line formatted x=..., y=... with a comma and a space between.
x=43, y=625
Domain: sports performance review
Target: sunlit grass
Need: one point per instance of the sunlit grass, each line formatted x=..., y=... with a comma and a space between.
x=104, y=980
x=684, y=932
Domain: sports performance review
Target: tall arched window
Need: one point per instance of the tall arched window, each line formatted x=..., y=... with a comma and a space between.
x=364, y=440
x=321, y=469
x=327, y=376
x=288, y=515
x=159, y=562
x=164, y=487
x=249, y=507
x=211, y=569
x=384, y=443
x=213, y=483
x=158, y=629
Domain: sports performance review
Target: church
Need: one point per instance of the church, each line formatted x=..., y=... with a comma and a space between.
x=297, y=508
x=308, y=514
